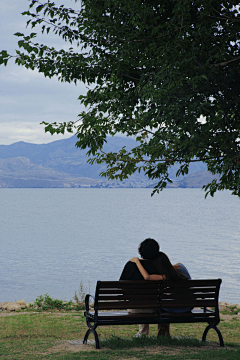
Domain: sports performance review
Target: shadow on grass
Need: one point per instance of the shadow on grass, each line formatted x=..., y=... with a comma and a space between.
x=115, y=342
x=181, y=348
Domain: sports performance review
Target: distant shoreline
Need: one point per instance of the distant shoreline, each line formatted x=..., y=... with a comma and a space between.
x=220, y=303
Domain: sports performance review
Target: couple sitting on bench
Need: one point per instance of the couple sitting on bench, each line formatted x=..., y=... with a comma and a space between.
x=154, y=265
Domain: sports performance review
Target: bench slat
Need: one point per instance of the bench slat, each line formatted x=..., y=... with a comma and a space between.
x=131, y=291
x=155, y=284
x=129, y=284
x=127, y=297
x=188, y=295
x=194, y=283
x=186, y=303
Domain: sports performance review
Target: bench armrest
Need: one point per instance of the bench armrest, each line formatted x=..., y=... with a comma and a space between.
x=87, y=301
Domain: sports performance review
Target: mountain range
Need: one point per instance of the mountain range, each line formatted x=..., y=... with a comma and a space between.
x=61, y=164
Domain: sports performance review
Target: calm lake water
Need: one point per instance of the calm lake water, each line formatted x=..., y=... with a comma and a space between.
x=51, y=239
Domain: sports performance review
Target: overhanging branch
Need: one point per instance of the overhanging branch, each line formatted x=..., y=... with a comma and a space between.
x=180, y=160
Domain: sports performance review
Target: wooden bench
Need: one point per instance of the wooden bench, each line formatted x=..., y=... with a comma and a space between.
x=114, y=298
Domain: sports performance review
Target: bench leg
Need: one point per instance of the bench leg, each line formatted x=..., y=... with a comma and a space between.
x=93, y=331
x=86, y=336
x=217, y=331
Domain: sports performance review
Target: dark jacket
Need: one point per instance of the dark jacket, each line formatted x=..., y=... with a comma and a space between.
x=131, y=272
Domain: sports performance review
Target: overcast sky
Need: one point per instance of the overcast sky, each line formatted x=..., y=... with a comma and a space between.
x=26, y=97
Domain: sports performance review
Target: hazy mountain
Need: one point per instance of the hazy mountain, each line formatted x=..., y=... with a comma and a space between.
x=61, y=164
x=62, y=155
x=196, y=180
x=20, y=172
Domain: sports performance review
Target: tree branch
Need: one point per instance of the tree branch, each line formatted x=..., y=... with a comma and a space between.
x=226, y=62
x=180, y=160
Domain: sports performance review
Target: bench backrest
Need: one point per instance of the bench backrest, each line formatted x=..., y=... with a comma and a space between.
x=122, y=295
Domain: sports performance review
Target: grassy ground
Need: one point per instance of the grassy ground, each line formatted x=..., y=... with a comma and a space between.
x=45, y=335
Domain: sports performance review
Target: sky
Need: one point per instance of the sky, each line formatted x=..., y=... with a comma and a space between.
x=26, y=97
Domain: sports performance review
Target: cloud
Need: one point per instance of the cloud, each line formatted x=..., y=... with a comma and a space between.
x=27, y=97
x=15, y=131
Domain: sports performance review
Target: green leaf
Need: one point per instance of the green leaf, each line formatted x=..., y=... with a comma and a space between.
x=39, y=8
x=18, y=34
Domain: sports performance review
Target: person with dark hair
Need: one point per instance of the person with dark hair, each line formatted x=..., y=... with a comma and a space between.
x=148, y=249
x=166, y=271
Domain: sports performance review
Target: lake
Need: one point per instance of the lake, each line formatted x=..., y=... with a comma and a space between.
x=51, y=239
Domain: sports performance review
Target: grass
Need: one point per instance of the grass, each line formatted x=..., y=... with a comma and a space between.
x=45, y=335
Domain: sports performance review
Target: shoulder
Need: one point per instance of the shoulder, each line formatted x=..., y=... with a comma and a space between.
x=129, y=264
x=183, y=271
x=127, y=270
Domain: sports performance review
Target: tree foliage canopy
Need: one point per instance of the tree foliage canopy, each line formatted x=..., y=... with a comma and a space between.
x=155, y=67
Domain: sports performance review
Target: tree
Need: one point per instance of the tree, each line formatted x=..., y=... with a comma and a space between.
x=165, y=72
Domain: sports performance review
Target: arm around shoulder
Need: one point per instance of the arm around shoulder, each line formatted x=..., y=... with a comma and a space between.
x=144, y=273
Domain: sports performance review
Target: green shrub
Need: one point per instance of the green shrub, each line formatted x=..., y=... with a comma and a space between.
x=47, y=303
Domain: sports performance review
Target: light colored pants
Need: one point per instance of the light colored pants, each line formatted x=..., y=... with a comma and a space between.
x=163, y=329
x=143, y=328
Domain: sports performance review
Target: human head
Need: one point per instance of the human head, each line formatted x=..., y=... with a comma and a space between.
x=149, y=249
x=164, y=266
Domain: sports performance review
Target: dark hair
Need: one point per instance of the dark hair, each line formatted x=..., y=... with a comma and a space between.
x=164, y=266
x=149, y=249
